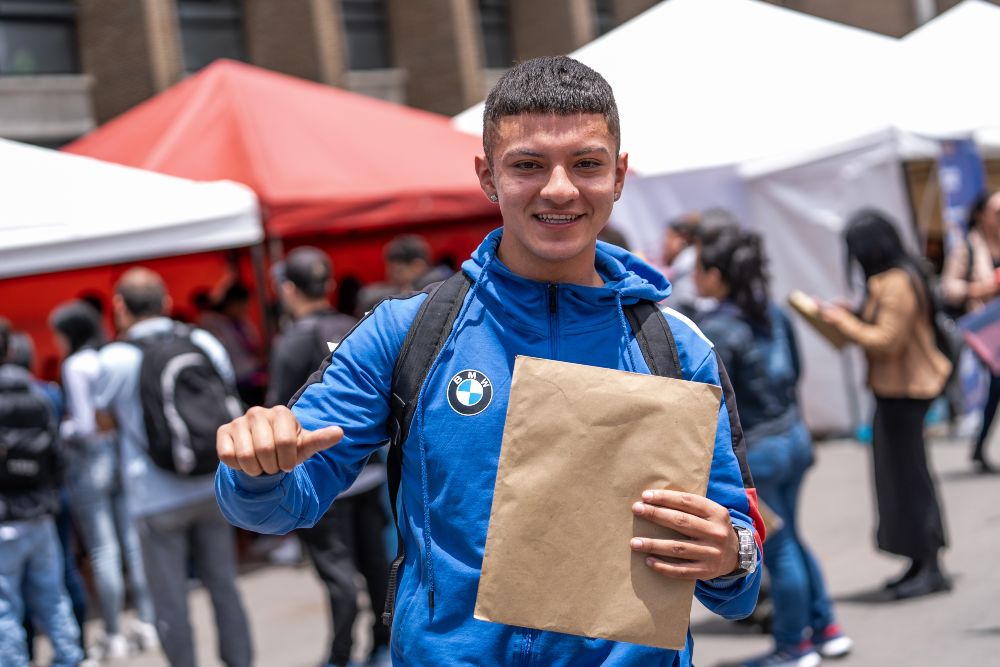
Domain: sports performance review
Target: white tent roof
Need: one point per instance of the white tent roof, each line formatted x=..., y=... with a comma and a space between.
x=702, y=83
x=61, y=211
x=948, y=73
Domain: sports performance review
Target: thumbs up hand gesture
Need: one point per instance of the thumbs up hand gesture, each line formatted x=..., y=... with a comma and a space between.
x=269, y=440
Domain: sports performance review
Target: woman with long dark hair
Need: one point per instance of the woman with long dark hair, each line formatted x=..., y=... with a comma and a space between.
x=95, y=486
x=758, y=348
x=970, y=278
x=906, y=371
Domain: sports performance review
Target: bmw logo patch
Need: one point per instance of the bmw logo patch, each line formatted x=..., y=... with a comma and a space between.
x=469, y=393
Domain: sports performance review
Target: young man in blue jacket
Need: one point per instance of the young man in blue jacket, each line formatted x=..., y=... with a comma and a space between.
x=541, y=286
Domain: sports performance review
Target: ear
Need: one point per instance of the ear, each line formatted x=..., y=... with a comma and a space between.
x=716, y=276
x=485, y=174
x=117, y=305
x=168, y=304
x=621, y=168
x=120, y=313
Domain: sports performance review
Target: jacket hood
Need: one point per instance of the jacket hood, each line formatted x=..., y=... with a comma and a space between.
x=625, y=276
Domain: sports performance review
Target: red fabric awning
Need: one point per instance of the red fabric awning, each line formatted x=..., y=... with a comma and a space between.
x=322, y=160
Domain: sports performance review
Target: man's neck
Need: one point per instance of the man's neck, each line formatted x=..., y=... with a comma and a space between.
x=311, y=308
x=133, y=321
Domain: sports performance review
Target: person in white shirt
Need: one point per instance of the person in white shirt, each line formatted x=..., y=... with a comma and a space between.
x=98, y=499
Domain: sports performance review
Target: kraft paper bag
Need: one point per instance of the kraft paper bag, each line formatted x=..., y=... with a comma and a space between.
x=812, y=311
x=580, y=446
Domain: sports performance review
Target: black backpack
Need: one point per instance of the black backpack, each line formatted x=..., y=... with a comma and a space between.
x=28, y=457
x=947, y=337
x=423, y=343
x=184, y=402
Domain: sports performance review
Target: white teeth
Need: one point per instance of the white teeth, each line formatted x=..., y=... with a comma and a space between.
x=557, y=218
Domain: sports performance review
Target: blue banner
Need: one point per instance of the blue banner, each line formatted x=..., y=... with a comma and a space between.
x=962, y=179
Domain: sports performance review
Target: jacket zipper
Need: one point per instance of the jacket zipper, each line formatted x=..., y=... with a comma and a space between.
x=528, y=637
x=553, y=297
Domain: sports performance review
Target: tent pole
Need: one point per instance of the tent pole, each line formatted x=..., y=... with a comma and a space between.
x=260, y=278
x=922, y=212
x=276, y=249
x=931, y=188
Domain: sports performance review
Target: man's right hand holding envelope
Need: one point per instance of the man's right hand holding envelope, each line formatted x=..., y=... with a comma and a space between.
x=710, y=545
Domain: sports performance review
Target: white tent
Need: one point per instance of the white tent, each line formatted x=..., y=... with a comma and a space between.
x=61, y=211
x=704, y=83
x=778, y=116
x=947, y=73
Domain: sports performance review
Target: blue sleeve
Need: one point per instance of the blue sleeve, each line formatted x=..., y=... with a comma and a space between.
x=352, y=391
x=730, y=486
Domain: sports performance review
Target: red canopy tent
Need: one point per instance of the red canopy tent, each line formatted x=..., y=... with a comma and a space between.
x=330, y=168
x=321, y=159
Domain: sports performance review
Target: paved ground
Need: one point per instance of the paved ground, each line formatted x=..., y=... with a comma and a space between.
x=958, y=629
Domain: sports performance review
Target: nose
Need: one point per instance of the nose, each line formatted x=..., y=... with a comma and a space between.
x=560, y=189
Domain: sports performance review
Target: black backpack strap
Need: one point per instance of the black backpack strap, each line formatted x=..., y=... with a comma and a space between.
x=969, y=264
x=655, y=339
x=422, y=345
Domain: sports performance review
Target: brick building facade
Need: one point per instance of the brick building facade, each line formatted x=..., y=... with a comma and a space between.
x=66, y=65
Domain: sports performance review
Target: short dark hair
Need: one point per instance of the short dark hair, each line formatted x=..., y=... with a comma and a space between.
x=235, y=293
x=21, y=350
x=407, y=248
x=4, y=338
x=309, y=269
x=80, y=323
x=555, y=85
x=142, y=291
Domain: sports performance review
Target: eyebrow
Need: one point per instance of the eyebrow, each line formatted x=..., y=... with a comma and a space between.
x=591, y=149
x=523, y=151
x=583, y=151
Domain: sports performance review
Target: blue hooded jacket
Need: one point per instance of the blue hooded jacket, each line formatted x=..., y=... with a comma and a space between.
x=450, y=459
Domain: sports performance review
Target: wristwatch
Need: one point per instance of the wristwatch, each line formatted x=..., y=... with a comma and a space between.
x=746, y=561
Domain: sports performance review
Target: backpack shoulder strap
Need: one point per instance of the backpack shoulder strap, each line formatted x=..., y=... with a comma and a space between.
x=177, y=330
x=655, y=339
x=420, y=348
x=969, y=258
x=422, y=345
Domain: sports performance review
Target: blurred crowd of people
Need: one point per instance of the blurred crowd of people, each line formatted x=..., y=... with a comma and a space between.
x=80, y=456
x=719, y=278
x=84, y=464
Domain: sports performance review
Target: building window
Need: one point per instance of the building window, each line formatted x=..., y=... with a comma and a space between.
x=367, y=28
x=38, y=37
x=605, y=14
x=494, y=19
x=211, y=29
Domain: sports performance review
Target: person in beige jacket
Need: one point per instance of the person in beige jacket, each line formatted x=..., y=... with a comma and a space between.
x=906, y=371
x=970, y=278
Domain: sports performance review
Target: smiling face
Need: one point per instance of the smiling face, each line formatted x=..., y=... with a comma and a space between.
x=556, y=178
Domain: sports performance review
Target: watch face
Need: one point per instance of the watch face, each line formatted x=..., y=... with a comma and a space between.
x=748, y=550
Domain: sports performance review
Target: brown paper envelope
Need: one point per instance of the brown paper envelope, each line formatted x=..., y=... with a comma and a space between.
x=809, y=309
x=580, y=445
